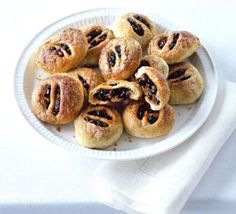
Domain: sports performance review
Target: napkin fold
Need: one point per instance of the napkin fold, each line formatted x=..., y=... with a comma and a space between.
x=163, y=183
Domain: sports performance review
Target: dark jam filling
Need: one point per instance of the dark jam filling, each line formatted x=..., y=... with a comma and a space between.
x=96, y=42
x=147, y=83
x=177, y=73
x=58, y=52
x=181, y=79
x=152, y=115
x=108, y=94
x=118, y=50
x=94, y=39
x=102, y=37
x=137, y=28
x=113, y=84
x=90, y=66
x=53, y=48
x=174, y=41
x=141, y=19
x=96, y=122
x=56, y=108
x=141, y=110
x=65, y=48
x=185, y=78
x=47, y=97
x=84, y=83
x=112, y=58
x=142, y=63
x=91, y=35
x=100, y=113
x=152, y=118
x=162, y=42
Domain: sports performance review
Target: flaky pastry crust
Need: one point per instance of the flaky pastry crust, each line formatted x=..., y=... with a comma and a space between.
x=185, y=83
x=120, y=58
x=135, y=26
x=141, y=121
x=57, y=99
x=62, y=51
x=98, y=127
x=174, y=47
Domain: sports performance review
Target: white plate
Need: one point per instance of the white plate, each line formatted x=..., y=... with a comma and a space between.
x=189, y=118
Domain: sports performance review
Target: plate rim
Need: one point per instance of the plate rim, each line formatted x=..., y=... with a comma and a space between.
x=131, y=154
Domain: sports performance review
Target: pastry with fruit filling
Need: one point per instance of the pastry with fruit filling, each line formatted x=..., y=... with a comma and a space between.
x=185, y=82
x=114, y=91
x=155, y=62
x=98, y=127
x=174, y=47
x=120, y=58
x=89, y=78
x=136, y=26
x=97, y=36
x=62, y=51
x=57, y=99
x=141, y=121
x=155, y=87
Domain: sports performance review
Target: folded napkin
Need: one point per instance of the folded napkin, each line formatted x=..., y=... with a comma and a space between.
x=163, y=183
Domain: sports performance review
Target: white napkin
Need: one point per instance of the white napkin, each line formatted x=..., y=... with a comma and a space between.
x=163, y=183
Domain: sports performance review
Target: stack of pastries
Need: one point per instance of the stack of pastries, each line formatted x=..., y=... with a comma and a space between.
x=103, y=82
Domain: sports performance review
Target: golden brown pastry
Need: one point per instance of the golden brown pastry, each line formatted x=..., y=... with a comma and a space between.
x=57, y=99
x=174, y=47
x=185, y=82
x=120, y=58
x=155, y=62
x=97, y=36
x=114, y=91
x=98, y=127
x=155, y=87
x=89, y=78
x=63, y=51
x=141, y=121
x=136, y=26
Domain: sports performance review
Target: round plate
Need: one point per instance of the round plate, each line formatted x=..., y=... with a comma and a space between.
x=189, y=117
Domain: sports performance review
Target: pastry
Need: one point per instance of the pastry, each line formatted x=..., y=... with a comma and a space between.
x=62, y=52
x=120, y=58
x=155, y=87
x=97, y=36
x=114, y=91
x=174, y=47
x=136, y=26
x=155, y=62
x=98, y=127
x=141, y=121
x=185, y=82
x=89, y=78
x=57, y=99
x=140, y=88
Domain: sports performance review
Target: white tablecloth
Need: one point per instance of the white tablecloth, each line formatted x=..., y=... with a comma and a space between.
x=37, y=174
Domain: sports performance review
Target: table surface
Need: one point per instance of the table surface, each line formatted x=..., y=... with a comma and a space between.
x=39, y=177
